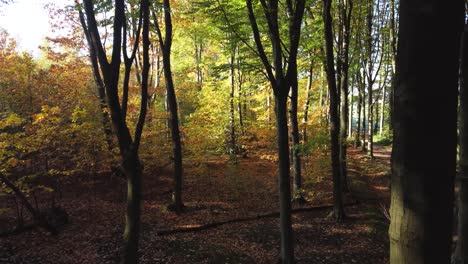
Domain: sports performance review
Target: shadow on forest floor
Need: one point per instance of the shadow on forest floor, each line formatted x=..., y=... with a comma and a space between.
x=216, y=190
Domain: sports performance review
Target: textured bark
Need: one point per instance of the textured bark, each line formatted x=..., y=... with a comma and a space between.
x=461, y=251
x=338, y=210
x=296, y=157
x=424, y=155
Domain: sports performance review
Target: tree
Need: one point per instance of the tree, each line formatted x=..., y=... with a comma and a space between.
x=373, y=46
x=281, y=78
x=338, y=210
x=461, y=251
x=99, y=85
x=393, y=51
x=128, y=145
x=346, y=8
x=424, y=168
x=166, y=44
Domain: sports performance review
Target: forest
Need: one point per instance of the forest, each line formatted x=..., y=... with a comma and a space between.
x=237, y=131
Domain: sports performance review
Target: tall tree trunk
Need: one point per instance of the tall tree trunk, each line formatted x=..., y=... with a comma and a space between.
x=128, y=146
x=240, y=82
x=132, y=169
x=166, y=44
x=198, y=59
x=305, y=118
x=382, y=110
x=393, y=46
x=338, y=209
x=357, y=137
x=106, y=124
x=287, y=244
x=268, y=107
x=370, y=82
x=346, y=20
x=232, y=130
x=364, y=119
x=461, y=250
x=280, y=80
x=423, y=174
x=351, y=112
x=296, y=157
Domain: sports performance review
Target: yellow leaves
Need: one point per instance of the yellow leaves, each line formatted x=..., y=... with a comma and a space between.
x=50, y=114
x=11, y=120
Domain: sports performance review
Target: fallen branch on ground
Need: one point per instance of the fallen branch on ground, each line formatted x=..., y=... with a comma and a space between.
x=200, y=227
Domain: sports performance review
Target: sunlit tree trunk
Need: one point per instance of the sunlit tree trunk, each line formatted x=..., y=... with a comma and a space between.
x=240, y=82
x=382, y=110
x=296, y=158
x=305, y=118
x=393, y=50
x=370, y=83
x=357, y=136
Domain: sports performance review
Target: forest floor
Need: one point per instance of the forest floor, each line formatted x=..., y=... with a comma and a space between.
x=216, y=190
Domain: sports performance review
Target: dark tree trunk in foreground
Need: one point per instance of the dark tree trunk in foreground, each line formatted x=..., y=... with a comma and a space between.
x=338, y=210
x=281, y=80
x=461, y=251
x=166, y=45
x=287, y=244
x=424, y=155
